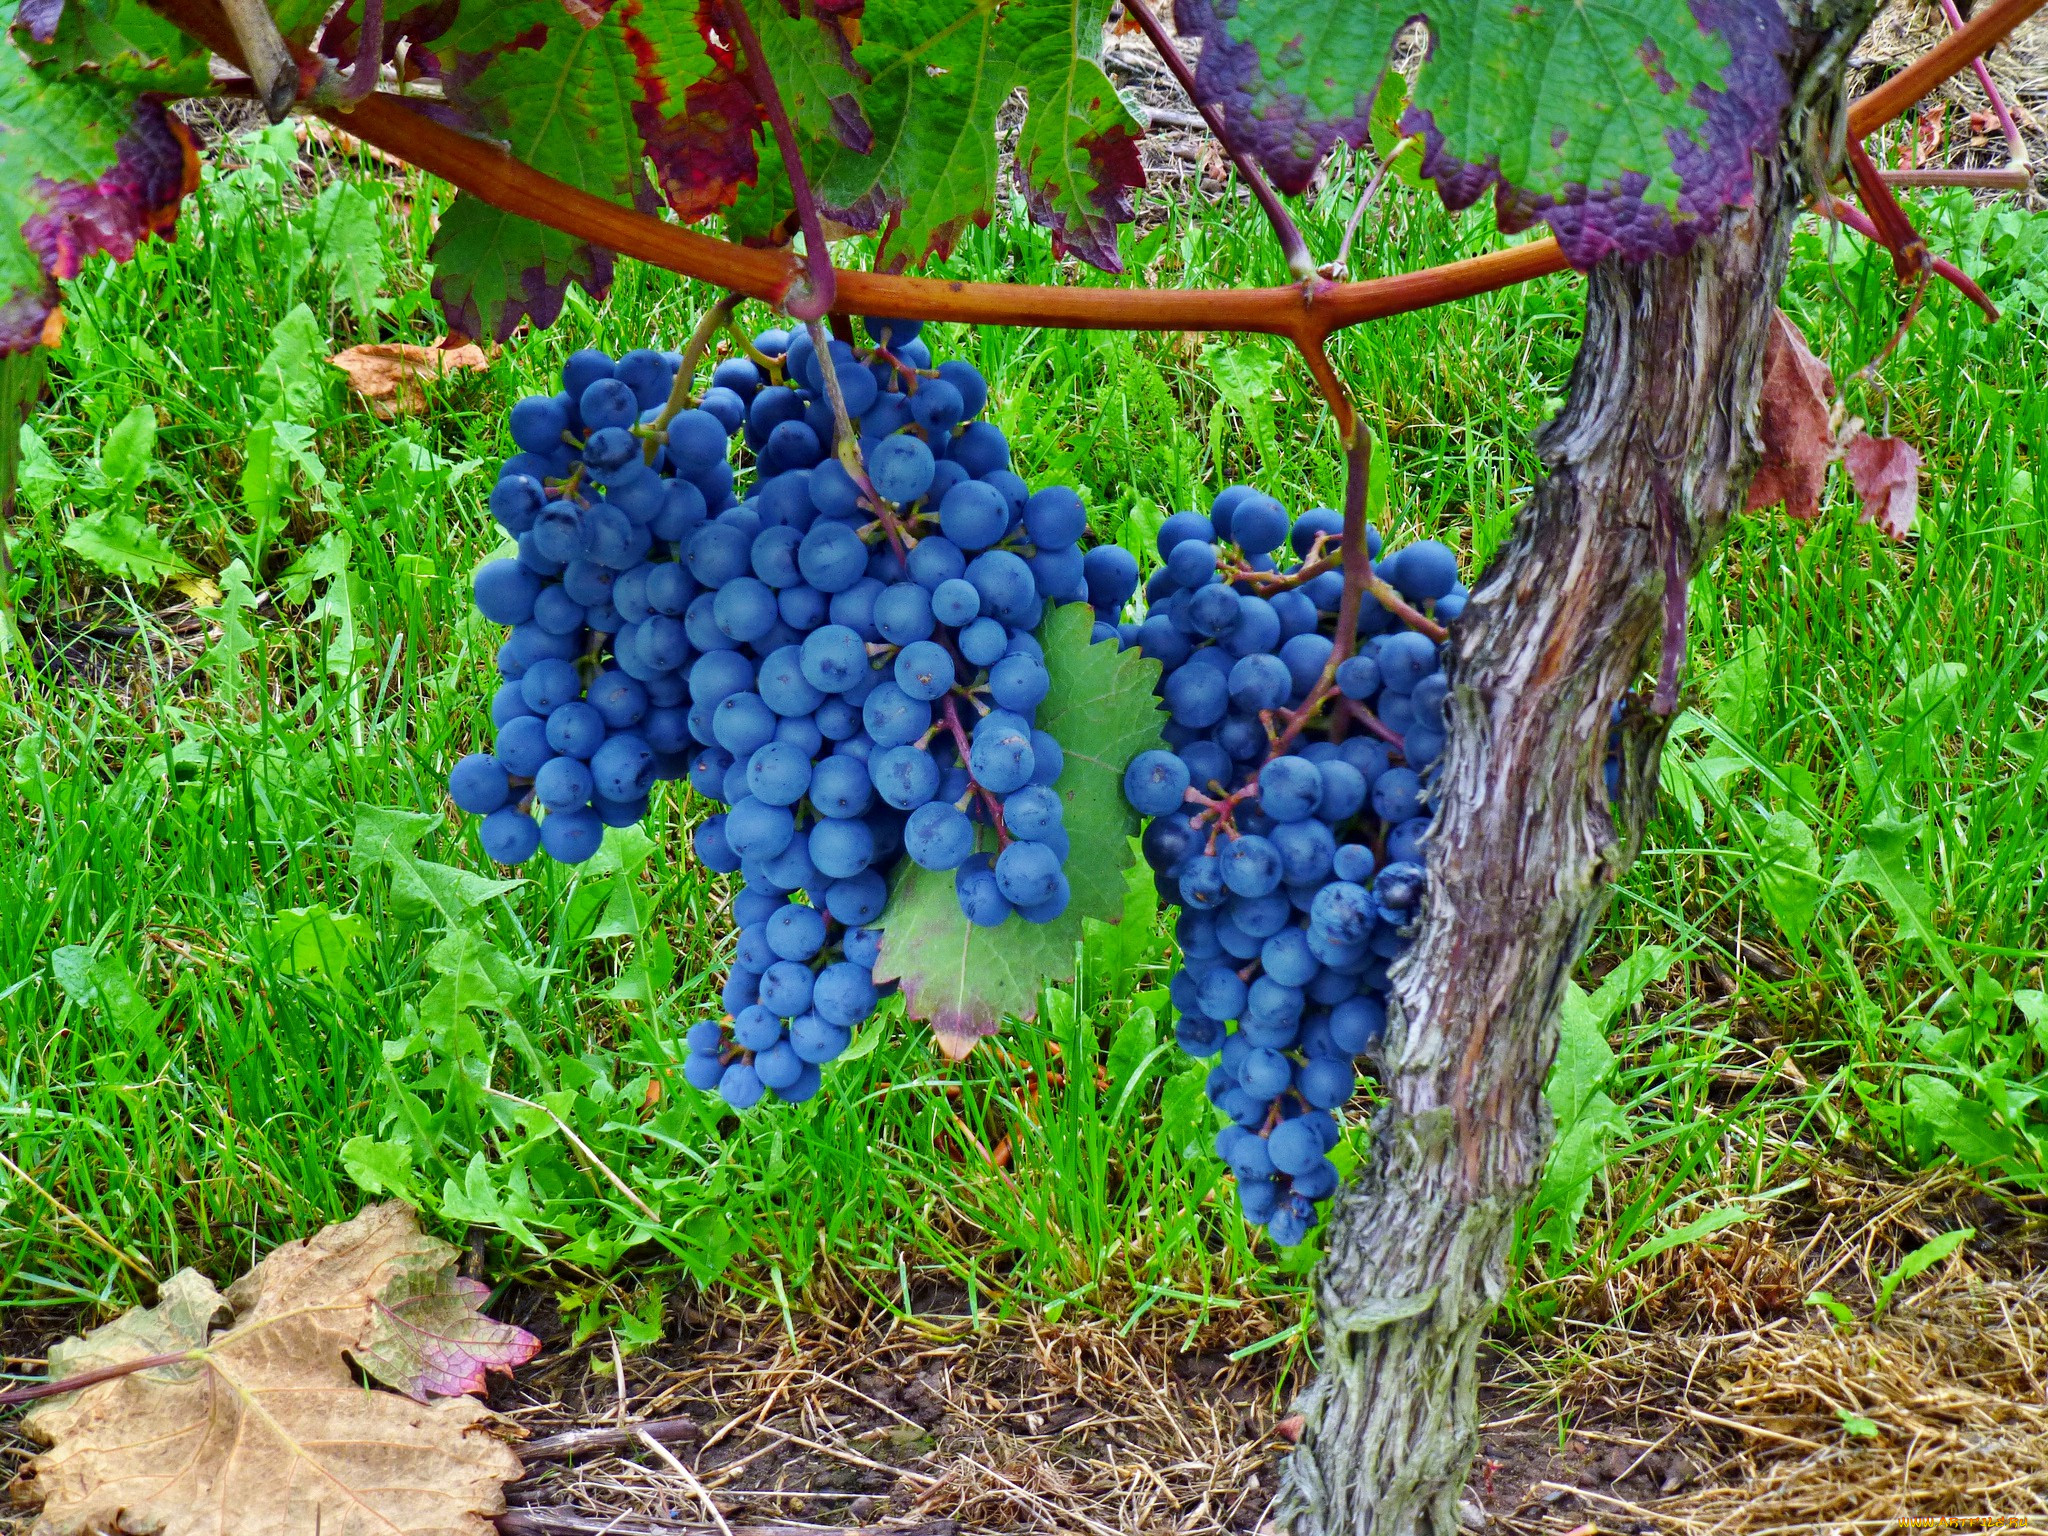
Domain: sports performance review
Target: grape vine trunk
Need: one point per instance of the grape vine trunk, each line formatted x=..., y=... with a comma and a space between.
x=1650, y=457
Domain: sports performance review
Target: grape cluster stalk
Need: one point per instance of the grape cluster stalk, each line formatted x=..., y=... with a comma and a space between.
x=839, y=650
x=1289, y=812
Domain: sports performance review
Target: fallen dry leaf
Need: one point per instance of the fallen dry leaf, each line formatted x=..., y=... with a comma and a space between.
x=263, y=1429
x=392, y=375
x=1798, y=435
x=1886, y=474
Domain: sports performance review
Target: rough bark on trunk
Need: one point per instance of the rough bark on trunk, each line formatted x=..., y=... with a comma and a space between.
x=1647, y=461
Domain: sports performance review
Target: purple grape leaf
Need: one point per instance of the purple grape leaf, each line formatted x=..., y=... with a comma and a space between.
x=1628, y=128
x=84, y=167
x=934, y=81
x=967, y=980
x=433, y=1341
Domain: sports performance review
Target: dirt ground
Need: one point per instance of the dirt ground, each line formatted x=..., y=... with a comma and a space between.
x=1696, y=1394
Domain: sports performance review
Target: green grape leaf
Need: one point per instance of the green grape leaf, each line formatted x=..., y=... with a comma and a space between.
x=935, y=83
x=1626, y=125
x=561, y=96
x=84, y=167
x=123, y=42
x=965, y=980
x=1077, y=153
x=937, y=73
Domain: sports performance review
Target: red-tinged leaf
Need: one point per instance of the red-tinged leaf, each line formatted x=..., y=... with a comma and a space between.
x=84, y=167
x=394, y=1300
x=435, y=1340
x=1798, y=438
x=696, y=117
x=1886, y=474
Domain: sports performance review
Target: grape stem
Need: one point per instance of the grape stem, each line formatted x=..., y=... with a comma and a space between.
x=910, y=375
x=1299, y=261
x=814, y=299
x=1264, y=582
x=1342, y=264
x=708, y=325
x=771, y=367
x=1351, y=709
x=846, y=446
x=988, y=800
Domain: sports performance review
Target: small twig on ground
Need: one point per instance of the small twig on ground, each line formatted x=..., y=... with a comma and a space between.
x=581, y=1442
x=697, y=1490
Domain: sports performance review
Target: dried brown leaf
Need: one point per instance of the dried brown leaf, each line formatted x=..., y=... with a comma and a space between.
x=393, y=375
x=1886, y=474
x=264, y=1430
x=1798, y=435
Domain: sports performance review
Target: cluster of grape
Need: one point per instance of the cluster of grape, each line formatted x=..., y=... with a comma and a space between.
x=1295, y=855
x=593, y=705
x=844, y=658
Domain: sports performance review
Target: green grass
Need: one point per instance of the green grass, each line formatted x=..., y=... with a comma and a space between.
x=209, y=989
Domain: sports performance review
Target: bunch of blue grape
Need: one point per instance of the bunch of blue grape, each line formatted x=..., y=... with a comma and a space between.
x=842, y=653
x=1299, y=873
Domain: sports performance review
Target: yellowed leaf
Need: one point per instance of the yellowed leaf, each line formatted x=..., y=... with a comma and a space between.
x=261, y=1428
x=393, y=375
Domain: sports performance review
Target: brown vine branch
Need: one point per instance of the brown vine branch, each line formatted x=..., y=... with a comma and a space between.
x=1952, y=55
x=1299, y=261
x=392, y=124
x=816, y=299
x=485, y=171
x=2006, y=125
